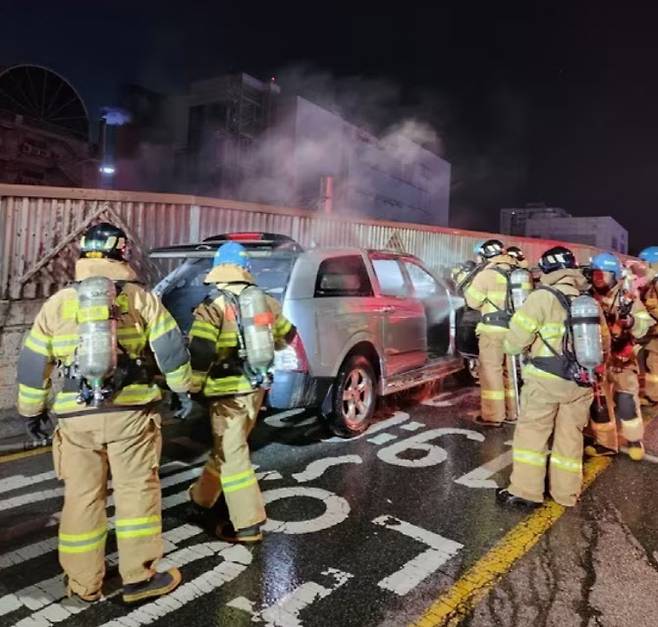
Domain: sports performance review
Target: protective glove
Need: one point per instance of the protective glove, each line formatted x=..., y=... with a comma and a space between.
x=189, y=408
x=33, y=427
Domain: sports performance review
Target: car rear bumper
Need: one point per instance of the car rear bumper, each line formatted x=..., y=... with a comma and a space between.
x=297, y=389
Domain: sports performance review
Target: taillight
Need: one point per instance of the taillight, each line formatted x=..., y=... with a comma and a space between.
x=293, y=357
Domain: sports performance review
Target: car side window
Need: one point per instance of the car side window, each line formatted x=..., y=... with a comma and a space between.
x=390, y=277
x=343, y=276
x=424, y=283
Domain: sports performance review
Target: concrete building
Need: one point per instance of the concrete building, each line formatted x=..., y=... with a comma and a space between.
x=44, y=130
x=241, y=138
x=603, y=231
x=513, y=221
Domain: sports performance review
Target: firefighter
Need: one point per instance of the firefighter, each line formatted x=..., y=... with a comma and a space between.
x=628, y=321
x=461, y=271
x=552, y=403
x=118, y=432
x=218, y=373
x=517, y=254
x=650, y=300
x=489, y=293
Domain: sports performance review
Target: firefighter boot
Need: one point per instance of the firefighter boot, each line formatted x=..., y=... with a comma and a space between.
x=158, y=585
x=598, y=450
x=505, y=498
x=249, y=535
x=636, y=451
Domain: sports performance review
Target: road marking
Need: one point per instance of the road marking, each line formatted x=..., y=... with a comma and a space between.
x=318, y=467
x=382, y=438
x=480, y=477
x=236, y=560
x=424, y=564
x=448, y=399
x=397, y=418
x=434, y=454
x=285, y=612
x=48, y=591
x=38, y=549
x=16, y=482
x=12, y=457
x=461, y=598
x=412, y=426
x=337, y=510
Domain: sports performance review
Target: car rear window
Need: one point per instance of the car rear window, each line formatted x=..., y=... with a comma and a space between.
x=343, y=276
x=188, y=289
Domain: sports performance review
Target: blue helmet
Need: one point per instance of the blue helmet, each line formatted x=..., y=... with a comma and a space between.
x=234, y=254
x=607, y=262
x=650, y=255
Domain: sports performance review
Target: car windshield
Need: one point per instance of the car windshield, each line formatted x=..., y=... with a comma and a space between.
x=185, y=288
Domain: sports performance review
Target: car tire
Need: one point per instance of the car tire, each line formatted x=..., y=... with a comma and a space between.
x=354, y=397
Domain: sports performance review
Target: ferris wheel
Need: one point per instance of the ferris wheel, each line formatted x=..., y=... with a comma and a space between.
x=45, y=97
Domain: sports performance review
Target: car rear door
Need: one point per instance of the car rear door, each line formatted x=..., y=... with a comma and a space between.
x=403, y=321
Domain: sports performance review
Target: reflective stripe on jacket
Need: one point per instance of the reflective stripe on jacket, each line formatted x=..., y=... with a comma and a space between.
x=144, y=327
x=216, y=367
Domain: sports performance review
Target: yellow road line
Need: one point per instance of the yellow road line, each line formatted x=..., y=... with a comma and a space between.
x=462, y=597
x=23, y=454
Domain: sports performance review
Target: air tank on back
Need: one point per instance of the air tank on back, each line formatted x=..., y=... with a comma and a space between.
x=257, y=320
x=97, y=330
x=520, y=286
x=586, y=327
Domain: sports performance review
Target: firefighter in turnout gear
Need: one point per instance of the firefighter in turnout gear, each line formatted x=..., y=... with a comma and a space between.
x=650, y=300
x=106, y=425
x=460, y=273
x=517, y=254
x=489, y=293
x=628, y=321
x=217, y=337
x=552, y=402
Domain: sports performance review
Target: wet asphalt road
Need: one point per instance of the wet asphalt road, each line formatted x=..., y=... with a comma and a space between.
x=363, y=532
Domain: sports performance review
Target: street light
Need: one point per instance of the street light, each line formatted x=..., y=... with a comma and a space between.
x=107, y=169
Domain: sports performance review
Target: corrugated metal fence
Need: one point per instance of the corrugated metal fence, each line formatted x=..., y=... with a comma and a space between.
x=40, y=228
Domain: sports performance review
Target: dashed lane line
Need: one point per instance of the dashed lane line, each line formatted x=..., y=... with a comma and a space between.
x=12, y=457
x=456, y=603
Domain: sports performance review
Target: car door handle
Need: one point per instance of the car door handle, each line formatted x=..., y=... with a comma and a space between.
x=387, y=308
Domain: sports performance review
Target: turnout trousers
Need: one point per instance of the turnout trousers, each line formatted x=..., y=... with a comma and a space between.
x=622, y=402
x=228, y=469
x=554, y=407
x=86, y=450
x=651, y=374
x=498, y=398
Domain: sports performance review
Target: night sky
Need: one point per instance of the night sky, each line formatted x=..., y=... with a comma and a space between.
x=553, y=102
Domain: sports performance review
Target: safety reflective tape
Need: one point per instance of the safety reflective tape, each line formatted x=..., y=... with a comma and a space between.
x=282, y=327
x=66, y=401
x=138, y=527
x=552, y=330
x=204, y=330
x=227, y=339
x=524, y=321
x=93, y=313
x=510, y=349
x=263, y=319
x=30, y=394
x=179, y=380
x=82, y=542
x=510, y=392
x=70, y=309
x=239, y=481
x=123, y=303
x=493, y=395
x=651, y=377
x=39, y=343
x=130, y=333
x=163, y=324
x=567, y=463
x=227, y=385
x=531, y=458
x=137, y=394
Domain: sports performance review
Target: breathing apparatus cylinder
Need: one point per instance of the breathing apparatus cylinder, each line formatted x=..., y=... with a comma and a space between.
x=257, y=320
x=520, y=286
x=586, y=328
x=97, y=330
